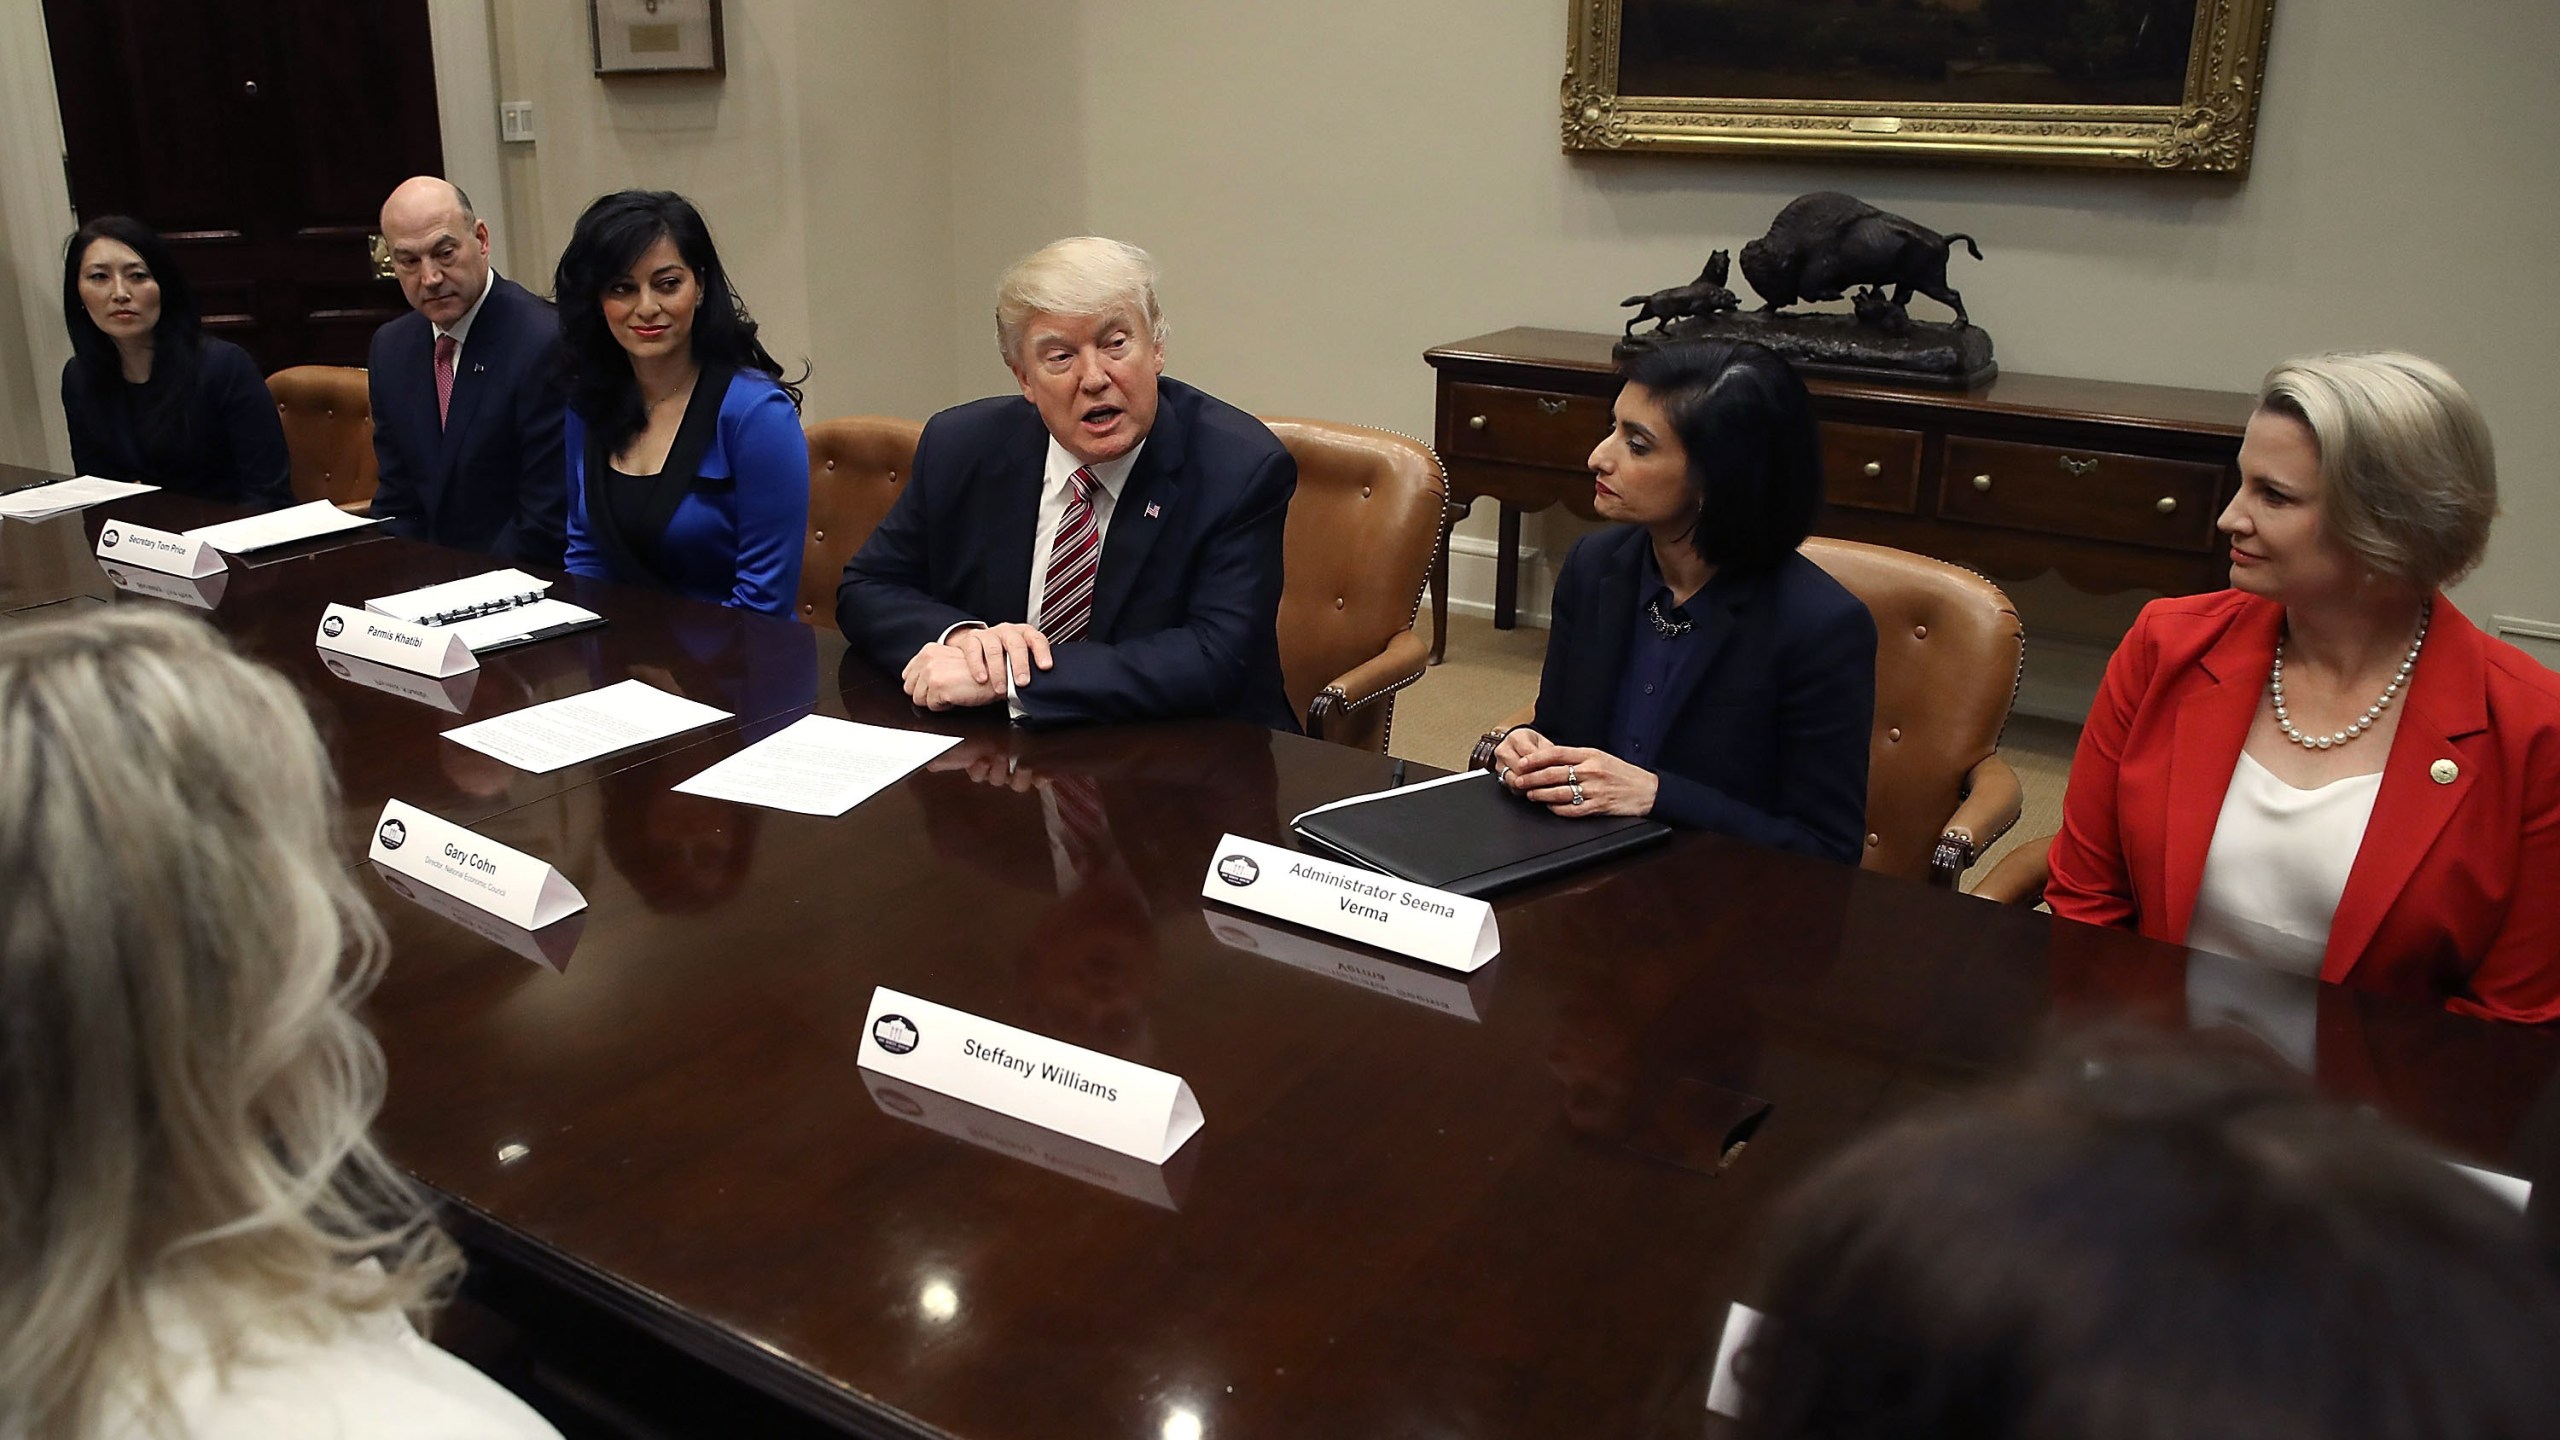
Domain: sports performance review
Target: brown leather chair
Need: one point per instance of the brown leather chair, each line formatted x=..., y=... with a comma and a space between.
x=855, y=468
x=1948, y=651
x=328, y=432
x=1362, y=529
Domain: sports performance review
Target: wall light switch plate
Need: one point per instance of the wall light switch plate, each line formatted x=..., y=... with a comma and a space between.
x=515, y=121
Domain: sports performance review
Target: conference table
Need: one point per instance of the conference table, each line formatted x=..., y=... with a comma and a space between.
x=1517, y=1203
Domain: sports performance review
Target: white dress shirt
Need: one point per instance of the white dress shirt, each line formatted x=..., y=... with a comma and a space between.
x=1109, y=477
x=2278, y=864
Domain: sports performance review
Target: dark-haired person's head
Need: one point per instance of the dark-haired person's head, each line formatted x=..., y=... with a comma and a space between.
x=641, y=280
x=121, y=287
x=2152, y=1239
x=1733, y=423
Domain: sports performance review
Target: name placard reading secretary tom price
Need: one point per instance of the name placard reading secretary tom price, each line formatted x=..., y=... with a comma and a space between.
x=1099, y=1099
x=1453, y=931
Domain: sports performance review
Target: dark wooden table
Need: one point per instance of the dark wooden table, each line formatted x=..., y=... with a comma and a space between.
x=1505, y=1221
x=2110, y=485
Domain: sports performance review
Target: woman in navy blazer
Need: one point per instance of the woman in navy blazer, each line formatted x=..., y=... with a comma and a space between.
x=1699, y=669
x=688, y=470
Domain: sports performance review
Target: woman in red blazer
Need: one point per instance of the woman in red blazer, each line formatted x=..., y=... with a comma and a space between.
x=2221, y=790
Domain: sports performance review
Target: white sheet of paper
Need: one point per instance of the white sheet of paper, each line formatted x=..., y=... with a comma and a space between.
x=467, y=593
x=818, y=765
x=544, y=738
x=518, y=623
x=38, y=501
x=277, y=527
x=2512, y=1189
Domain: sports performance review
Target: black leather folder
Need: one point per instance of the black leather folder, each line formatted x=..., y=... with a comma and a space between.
x=1470, y=837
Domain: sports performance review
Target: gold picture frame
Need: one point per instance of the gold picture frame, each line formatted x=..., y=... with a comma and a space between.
x=2031, y=82
x=657, y=37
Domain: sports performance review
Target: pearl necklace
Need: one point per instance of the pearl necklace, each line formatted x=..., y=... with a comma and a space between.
x=2373, y=712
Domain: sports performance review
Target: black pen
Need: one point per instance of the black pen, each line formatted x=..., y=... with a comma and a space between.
x=1398, y=778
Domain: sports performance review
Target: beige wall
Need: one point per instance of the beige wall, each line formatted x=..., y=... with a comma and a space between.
x=1333, y=186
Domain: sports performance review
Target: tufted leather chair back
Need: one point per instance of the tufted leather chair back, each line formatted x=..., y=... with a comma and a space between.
x=855, y=468
x=1948, y=648
x=328, y=432
x=1362, y=530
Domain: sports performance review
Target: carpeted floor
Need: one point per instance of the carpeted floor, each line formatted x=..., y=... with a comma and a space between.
x=1491, y=673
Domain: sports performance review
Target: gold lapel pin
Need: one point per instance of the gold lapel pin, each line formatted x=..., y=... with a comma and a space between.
x=2445, y=772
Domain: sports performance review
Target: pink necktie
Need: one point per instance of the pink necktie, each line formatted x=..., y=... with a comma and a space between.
x=1075, y=557
x=446, y=347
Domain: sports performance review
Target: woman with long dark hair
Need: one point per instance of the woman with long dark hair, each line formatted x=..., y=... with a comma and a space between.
x=687, y=468
x=148, y=395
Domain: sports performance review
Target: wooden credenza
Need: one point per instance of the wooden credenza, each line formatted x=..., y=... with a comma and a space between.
x=2112, y=486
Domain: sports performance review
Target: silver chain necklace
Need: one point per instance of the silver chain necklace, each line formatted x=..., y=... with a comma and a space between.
x=2373, y=712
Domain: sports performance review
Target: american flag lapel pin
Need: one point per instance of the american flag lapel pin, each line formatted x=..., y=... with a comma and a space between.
x=1154, y=510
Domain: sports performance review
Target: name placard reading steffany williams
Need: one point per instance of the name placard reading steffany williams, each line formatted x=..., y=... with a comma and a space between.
x=1097, y=1098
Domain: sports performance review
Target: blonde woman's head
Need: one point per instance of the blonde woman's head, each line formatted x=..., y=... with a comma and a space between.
x=184, y=1091
x=2409, y=478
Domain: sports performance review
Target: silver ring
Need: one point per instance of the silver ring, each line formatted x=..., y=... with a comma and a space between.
x=1502, y=773
x=1577, y=790
x=1572, y=779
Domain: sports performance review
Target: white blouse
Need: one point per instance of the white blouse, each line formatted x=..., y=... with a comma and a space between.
x=377, y=1380
x=2279, y=862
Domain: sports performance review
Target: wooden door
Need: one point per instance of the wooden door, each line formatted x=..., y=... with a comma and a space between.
x=260, y=137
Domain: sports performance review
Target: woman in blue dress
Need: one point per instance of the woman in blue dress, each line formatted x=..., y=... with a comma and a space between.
x=688, y=471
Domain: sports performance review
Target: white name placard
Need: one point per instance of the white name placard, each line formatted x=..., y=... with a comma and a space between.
x=450, y=693
x=549, y=948
x=149, y=549
x=517, y=888
x=420, y=649
x=1449, y=994
x=1099, y=1099
x=1724, y=1389
x=1430, y=925
x=203, y=592
x=1051, y=1151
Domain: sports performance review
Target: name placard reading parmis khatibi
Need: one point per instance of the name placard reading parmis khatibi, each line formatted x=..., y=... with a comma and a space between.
x=421, y=649
x=1097, y=1098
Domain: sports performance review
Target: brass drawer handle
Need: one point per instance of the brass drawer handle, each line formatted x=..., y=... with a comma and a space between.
x=2079, y=467
x=2166, y=504
x=1981, y=482
x=1872, y=469
x=1475, y=422
x=1550, y=404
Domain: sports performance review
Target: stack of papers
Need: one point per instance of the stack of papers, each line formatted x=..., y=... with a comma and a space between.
x=500, y=608
x=544, y=738
x=818, y=766
x=38, y=501
x=277, y=527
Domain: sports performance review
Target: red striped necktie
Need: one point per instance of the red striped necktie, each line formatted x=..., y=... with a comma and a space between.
x=446, y=348
x=1075, y=557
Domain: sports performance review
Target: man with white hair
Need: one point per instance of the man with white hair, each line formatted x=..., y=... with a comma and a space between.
x=466, y=415
x=1104, y=546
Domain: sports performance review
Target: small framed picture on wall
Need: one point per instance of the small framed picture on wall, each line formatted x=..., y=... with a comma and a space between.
x=657, y=37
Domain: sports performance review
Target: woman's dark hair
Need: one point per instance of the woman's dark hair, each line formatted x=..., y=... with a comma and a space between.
x=173, y=340
x=162, y=417
x=2151, y=1240
x=609, y=239
x=1754, y=457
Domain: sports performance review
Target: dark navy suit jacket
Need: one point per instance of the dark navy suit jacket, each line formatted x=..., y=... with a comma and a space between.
x=493, y=478
x=1769, y=743
x=1185, y=608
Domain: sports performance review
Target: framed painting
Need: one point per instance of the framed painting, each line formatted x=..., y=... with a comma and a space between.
x=2167, y=85
x=657, y=37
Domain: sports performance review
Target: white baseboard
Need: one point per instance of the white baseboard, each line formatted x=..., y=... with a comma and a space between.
x=1471, y=572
